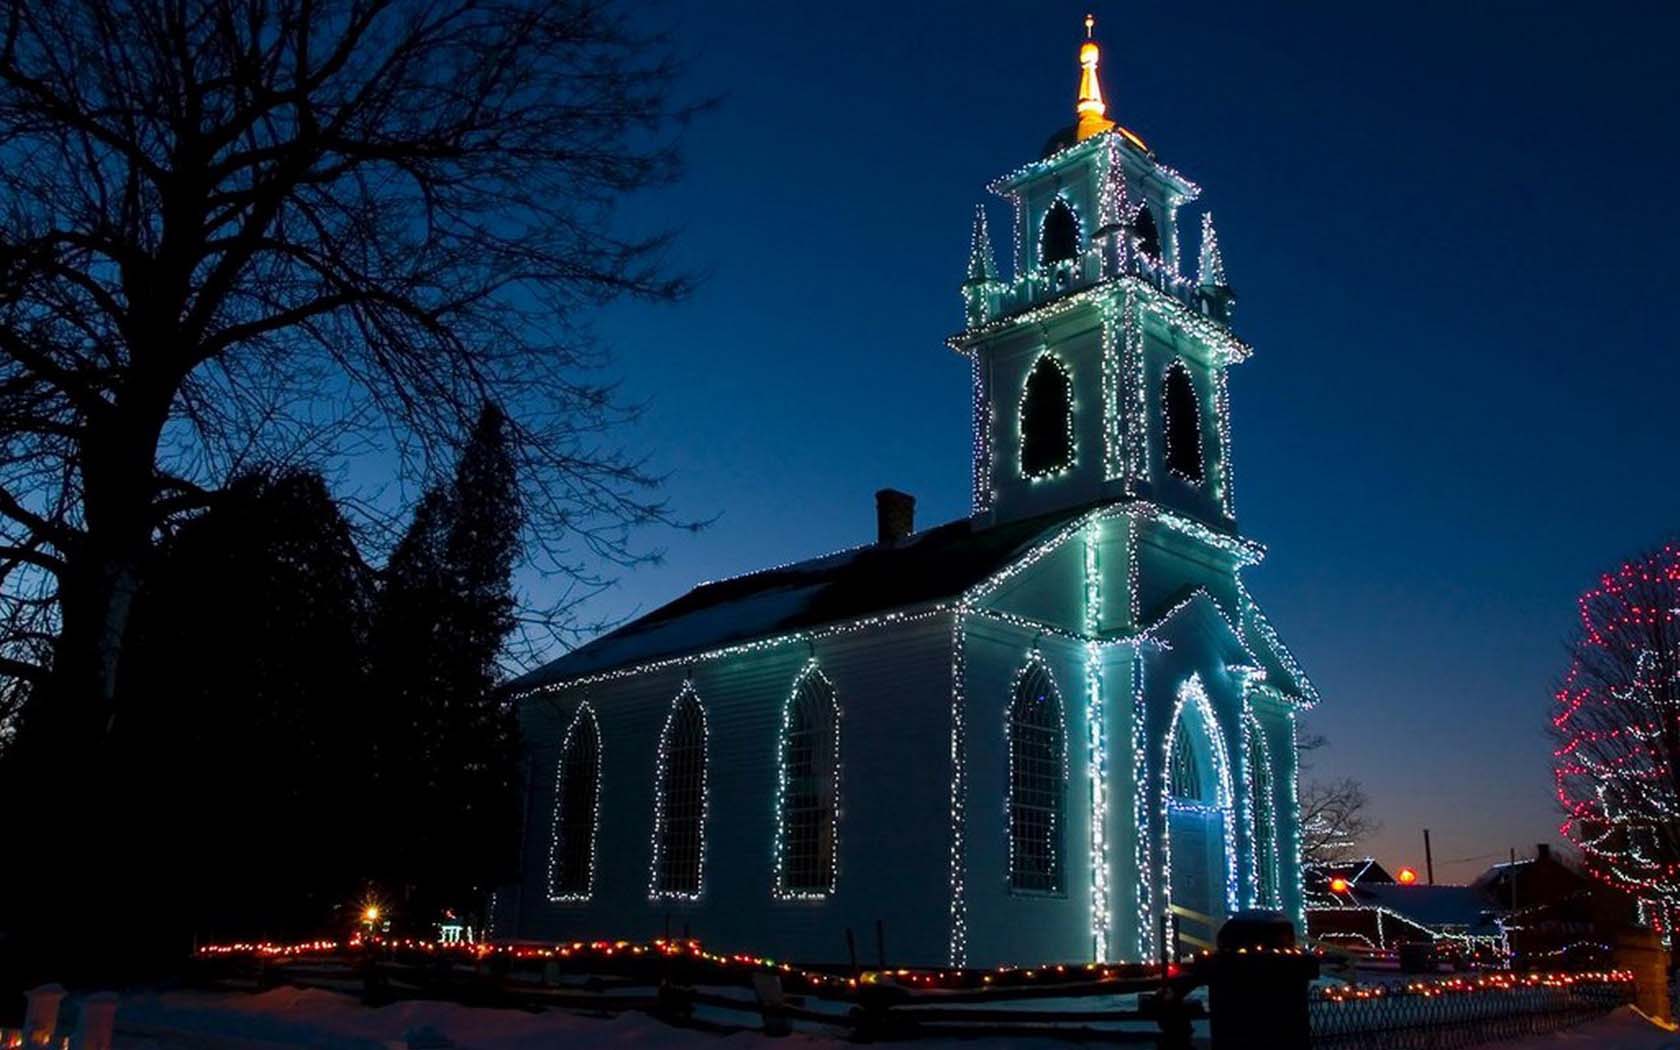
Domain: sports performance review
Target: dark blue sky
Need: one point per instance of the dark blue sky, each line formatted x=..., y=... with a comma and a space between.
x=1451, y=227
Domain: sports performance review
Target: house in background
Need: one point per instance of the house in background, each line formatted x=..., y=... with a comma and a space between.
x=1359, y=906
x=1027, y=735
x=1536, y=913
x=1557, y=916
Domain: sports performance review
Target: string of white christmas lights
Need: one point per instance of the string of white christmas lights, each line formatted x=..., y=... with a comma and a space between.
x=555, y=894
x=685, y=696
x=810, y=676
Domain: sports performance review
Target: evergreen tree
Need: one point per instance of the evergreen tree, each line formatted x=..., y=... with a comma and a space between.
x=251, y=727
x=445, y=610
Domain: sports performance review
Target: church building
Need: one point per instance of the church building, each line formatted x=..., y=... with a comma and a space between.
x=1056, y=730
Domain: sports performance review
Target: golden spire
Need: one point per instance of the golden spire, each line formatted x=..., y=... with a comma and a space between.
x=1091, y=108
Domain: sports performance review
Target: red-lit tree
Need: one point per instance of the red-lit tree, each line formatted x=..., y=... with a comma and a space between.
x=1617, y=723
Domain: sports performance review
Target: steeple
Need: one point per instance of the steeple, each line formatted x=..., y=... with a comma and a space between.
x=1091, y=108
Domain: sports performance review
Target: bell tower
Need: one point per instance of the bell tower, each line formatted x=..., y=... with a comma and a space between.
x=1099, y=366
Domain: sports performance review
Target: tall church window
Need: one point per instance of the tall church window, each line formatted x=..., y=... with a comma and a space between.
x=1058, y=238
x=1181, y=413
x=1184, y=775
x=577, y=800
x=679, y=819
x=809, y=790
x=1145, y=234
x=1037, y=783
x=1047, y=419
x=1264, y=815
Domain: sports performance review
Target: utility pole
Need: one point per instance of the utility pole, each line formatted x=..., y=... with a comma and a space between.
x=1428, y=858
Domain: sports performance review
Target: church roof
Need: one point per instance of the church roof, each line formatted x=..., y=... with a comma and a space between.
x=936, y=563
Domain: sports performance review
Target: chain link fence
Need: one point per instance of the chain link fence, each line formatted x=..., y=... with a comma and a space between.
x=1421, y=1019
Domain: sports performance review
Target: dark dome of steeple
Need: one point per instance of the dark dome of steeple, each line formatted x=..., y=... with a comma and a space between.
x=1061, y=140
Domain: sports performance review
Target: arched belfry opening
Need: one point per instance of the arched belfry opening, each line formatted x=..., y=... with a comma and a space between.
x=1145, y=234
x=1058, y=239
x=1047, y=419
x=1181, y=419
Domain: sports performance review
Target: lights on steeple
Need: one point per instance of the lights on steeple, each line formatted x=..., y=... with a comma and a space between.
x=1091, y=108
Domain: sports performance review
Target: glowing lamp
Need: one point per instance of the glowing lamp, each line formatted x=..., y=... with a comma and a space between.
x=370, y=913
x=1407, y=876
x=1338, y=885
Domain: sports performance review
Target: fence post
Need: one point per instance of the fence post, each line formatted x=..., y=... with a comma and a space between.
x=95, y=1021
x=1639, y=950
x=767, y=989
x=40, y=1016
x=1258, y=984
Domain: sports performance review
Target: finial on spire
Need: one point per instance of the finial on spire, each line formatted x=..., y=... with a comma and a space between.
x=1091, y=108
x=981, y=266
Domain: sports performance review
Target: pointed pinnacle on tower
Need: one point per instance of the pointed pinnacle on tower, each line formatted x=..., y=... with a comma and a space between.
x=981, y=267
x=1091, y=108
x=1210, y=267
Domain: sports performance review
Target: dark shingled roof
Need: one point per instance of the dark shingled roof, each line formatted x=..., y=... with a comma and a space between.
x=1465, y=907
x=940, y=562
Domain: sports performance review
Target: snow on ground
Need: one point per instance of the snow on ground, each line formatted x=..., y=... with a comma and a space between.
x=1625, y=1029
x=287, y=1018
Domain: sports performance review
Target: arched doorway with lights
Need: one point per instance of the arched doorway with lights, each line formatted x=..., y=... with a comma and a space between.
x=1198, y=851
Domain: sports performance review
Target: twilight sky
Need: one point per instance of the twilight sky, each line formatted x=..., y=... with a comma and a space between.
x=1451, y=228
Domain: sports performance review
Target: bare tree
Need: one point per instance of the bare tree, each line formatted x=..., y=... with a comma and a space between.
x=1616, y=720
x=1333, y=819
x=277, y=230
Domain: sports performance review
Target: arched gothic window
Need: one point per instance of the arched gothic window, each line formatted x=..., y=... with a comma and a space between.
x=1145, y=234
x=809, y=790
x=1263, y=813
x=1047, y=419
x=577, y=800
x=1181, y=419
x=1184, y=775
x=679, y=819
x=1037, y=783
x=1058, y=239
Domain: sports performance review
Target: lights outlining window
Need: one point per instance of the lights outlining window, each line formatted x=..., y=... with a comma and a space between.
x=1181, y=420
x=1058, y=238
x=808, y=789
x=1145, y=234
x=1185, y=775
x=1047, y=419
x=679, y=818
x=1037, y=781
x=577, y=807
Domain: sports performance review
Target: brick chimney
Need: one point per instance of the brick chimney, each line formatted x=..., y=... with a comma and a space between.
x=895, y=516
